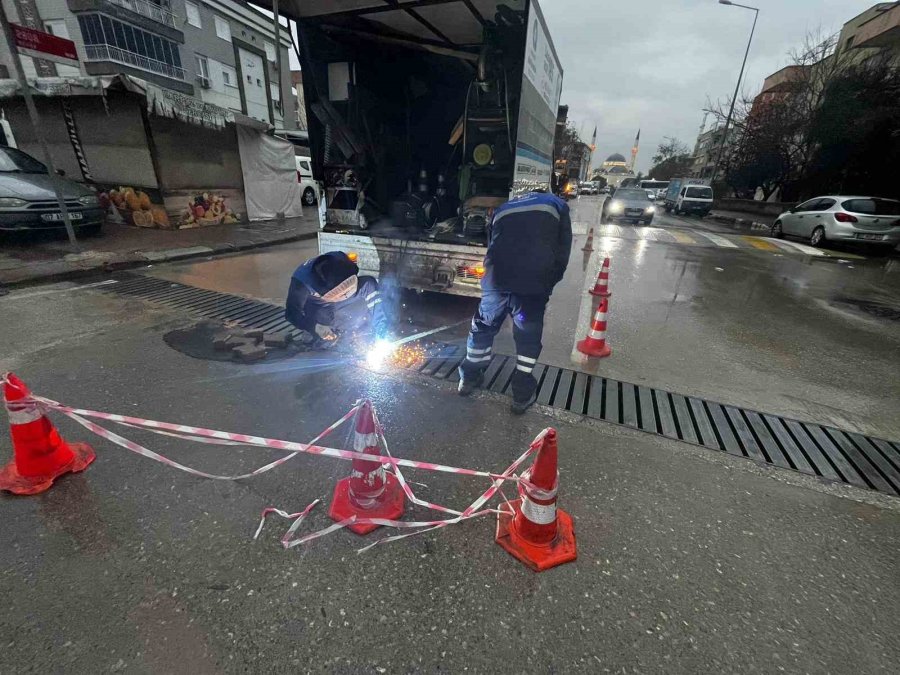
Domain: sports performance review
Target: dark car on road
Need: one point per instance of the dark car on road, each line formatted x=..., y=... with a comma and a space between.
x=28, y=200
x=631, y=204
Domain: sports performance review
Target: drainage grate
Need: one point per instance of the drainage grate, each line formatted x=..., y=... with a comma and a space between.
x=210, y=304
x=814, y=449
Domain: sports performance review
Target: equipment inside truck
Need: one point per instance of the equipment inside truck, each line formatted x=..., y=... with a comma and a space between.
x=416, y=136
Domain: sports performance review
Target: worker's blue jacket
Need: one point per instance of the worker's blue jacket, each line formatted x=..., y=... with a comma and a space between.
x=530, y=241
x=305, y=306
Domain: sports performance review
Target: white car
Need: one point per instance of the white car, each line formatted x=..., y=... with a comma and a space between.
x=304, y=176
x=842, y=218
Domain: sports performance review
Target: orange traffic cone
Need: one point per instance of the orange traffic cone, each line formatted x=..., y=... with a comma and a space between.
x=595, y=342
x=589, y=244
x=40, y=454
x=369, y=491
x=601, y=286
x=531, y=528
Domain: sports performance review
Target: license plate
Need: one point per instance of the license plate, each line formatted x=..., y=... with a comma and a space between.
x=57, y=217
x=871, y=237
x=633, y=212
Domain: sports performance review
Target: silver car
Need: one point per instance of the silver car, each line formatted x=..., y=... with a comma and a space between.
x=28, y=200
x=629, y=204
x=842, y=218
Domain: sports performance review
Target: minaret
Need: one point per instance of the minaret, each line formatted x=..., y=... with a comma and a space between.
x=634, y=150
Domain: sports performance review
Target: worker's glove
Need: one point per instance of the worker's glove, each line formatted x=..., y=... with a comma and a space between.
x=325, y=332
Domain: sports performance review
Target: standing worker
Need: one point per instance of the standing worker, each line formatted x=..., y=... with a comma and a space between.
x=528, y=251
x=327, y=295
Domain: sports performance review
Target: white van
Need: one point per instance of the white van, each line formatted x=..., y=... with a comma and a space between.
x=305, y=178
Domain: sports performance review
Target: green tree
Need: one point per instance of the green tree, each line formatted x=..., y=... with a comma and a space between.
x=669, y=168
x=672, y=159
x=670, y=148
x=854, y=132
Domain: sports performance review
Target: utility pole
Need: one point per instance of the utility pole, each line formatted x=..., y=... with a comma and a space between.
x=737, y=87
x=36, y=123
x=281, y=94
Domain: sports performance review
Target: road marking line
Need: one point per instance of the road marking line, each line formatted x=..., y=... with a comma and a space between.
x=760, y=243
x=717, y=240
x=682, y=238
x=794, y=246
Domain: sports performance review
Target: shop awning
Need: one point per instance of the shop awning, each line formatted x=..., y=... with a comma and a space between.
x=160, y=101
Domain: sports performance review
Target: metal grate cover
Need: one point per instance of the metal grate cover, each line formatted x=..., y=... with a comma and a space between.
x=814, y=449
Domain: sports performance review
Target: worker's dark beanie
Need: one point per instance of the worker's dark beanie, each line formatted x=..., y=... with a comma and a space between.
x=330, y=270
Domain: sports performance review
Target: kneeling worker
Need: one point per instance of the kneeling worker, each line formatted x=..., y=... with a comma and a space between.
x=326, y=295
x=528, y=251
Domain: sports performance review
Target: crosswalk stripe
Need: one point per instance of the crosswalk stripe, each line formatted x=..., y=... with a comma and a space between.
x=662, y=235
x=717, y=240
x=653, y=234
x=760, y=243
x=794, y=246
x=682, y=238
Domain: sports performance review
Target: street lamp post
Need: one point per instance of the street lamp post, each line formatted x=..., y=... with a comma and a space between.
x=737, y=87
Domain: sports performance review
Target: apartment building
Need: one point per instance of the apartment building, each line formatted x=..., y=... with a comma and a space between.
x=219, y=51
x=706, y=151
x=873, y=31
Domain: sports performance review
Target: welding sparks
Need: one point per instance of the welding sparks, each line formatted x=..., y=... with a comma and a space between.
x=407, y=356
x=379, y=353
x=400, y=352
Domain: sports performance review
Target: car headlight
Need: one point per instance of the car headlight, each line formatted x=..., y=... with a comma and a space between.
x=650, y=209
x=11, y=203
x=89, y=200
x=615, y=207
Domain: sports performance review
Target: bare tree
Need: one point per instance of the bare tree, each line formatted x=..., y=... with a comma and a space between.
x=770, y=141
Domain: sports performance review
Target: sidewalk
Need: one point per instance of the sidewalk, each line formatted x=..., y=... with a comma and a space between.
x=47, y=256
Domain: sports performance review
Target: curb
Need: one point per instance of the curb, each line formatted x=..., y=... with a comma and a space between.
x=143, y=258
x=730, y=220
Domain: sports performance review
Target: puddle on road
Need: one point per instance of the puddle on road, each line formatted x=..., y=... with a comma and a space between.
x=879, y=310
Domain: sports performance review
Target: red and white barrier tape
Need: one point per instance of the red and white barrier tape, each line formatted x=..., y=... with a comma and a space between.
x=214, y=435
x=217, y=437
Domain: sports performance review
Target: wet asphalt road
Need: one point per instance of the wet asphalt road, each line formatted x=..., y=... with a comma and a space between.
x=689, y=561
x=696, y=309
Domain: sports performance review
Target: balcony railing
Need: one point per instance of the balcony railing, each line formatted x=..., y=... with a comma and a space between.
x=111, y=53
x=149, y=9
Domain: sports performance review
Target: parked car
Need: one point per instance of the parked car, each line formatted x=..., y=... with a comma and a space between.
x=689, y=195
x=305, y=178
x=842, y=218
x=630, y=204
x=28, y=200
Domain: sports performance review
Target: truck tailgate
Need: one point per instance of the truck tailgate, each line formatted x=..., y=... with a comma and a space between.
x=428, y=266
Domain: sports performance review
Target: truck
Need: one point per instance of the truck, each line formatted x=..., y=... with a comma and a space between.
x=423, y=118
x=689, y=195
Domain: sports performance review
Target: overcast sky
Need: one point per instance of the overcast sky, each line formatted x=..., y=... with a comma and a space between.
x=652, y=63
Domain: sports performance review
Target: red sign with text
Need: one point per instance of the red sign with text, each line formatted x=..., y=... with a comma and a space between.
x=42, y=45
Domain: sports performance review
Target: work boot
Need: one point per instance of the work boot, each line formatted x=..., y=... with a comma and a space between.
x=519, y=407
x=524, y=391
x=469, y=383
